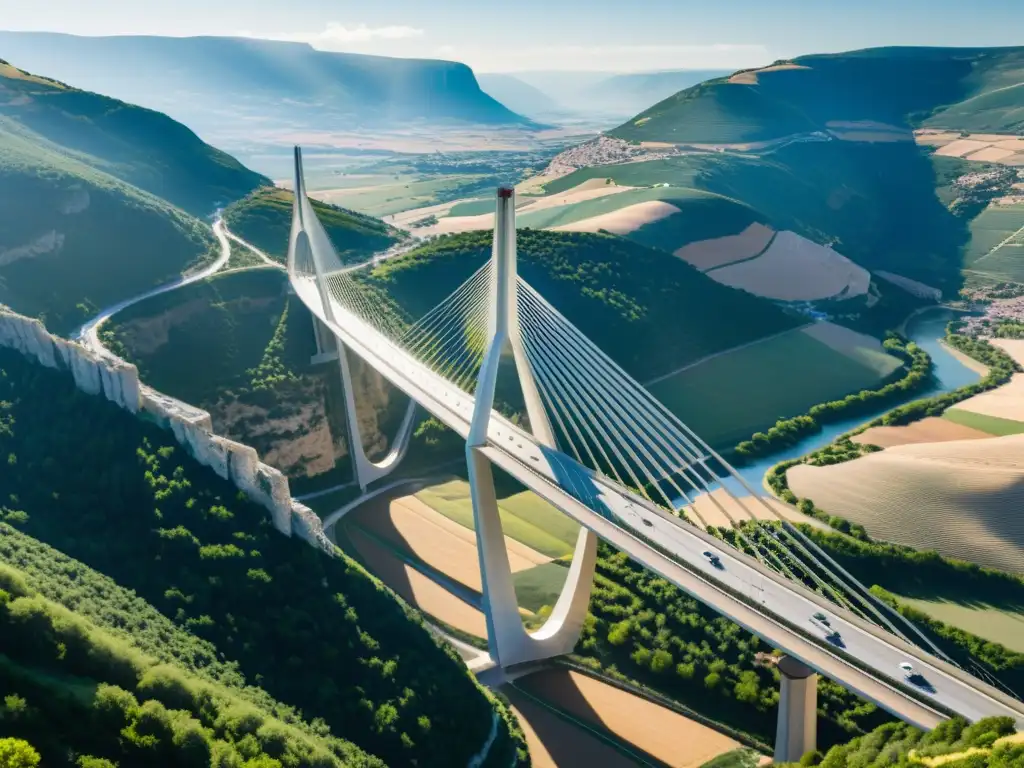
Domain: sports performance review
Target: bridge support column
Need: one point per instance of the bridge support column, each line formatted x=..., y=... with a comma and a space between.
x=509, y=641
x=363, y=470
x=797, y=730
x=301, y=250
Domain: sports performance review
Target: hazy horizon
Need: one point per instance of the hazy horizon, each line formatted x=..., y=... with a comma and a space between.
x=656, y=35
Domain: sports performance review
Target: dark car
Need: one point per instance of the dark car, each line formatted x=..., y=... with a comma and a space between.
x=713, y=559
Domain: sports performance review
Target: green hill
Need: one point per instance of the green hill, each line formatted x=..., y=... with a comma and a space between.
x=92, y=198
x=980, y=89
x=648, y=310
x=316, y=633
x=139, y=146
x=264, y=218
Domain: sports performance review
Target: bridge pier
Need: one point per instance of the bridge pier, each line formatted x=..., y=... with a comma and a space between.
x=508, y=639
x=797, y=729
x=329, y=346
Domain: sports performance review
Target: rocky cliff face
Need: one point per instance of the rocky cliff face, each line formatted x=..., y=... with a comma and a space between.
x=119, y=382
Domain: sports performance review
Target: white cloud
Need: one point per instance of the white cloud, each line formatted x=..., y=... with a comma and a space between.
x=337, y=36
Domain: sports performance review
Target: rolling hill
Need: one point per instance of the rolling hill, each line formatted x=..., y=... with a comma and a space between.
x=204, y=81
x=138, y=146
x=263, y=218
x=93, y=198
x=978, y=89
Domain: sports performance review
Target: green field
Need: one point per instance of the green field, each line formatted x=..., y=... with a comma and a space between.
x=990, y=228
x=678, y=171
x=996, y=623
x=568, y=214
x=525, y=517
x=540, y=585
x=727, y=398
x=473, y=207
x=993, y=425
x=399, y=196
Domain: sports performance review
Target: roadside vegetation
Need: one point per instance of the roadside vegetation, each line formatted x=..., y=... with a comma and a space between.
x=315, y=632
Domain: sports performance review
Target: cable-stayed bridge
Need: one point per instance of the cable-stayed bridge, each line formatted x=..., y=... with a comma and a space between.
x=601, y=449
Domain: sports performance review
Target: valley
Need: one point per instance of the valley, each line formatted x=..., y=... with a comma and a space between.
x=758, y=247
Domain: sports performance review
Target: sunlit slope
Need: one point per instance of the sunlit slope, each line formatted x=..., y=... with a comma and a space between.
x=961, y=498
x=647, y=309
x=144, y=148
x=872, y=203
x=976, y=89
x=264, y=218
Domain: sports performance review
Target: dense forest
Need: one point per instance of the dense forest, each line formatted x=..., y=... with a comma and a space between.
x=645, y=629
x=264, y=218
x=988, y=743
x=316, y=633
x=651, y=311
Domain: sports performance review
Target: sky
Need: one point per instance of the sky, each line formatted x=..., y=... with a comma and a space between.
x=521, y=35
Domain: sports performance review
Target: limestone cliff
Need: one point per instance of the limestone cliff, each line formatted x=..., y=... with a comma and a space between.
x=192, y=427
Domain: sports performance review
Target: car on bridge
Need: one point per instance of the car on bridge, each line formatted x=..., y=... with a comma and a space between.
x=714, y=559
x=822, y=621
x=916, y=679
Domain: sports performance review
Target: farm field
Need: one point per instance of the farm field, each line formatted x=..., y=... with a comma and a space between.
x=415, y=588
x=996, y=623
x=1005, y=402
x=393, y=197
x=959, y=498
x=448, y=547
x=554, y=742
x=796, y=269
x=727, y=398
x=654, y=731
x=525, y=517
x=995, y=225
x=719, y=251
x=720, y=510
x=624, y=221
x=561, y=215
x=934, y=429
x=989, y=426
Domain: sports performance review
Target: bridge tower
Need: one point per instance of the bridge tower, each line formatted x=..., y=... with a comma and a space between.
x=304, y=224
x=509, y=641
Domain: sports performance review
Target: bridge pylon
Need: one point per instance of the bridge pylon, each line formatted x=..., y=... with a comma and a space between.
x=300, y=249
x=509, y=641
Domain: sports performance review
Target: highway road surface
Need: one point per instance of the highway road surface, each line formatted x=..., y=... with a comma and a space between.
x=758, y=599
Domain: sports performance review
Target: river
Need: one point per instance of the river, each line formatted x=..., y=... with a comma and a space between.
x=926, y=330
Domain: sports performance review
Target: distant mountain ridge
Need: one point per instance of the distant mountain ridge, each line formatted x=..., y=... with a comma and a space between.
x=976, y=89
x=204, y=81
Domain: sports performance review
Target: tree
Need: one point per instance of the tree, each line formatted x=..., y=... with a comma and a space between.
x=15, y=753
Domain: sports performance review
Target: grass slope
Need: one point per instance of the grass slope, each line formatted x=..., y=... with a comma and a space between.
x=967, y=89
x=264, y=219
x=726, y=397
x=316, y=632
x=139, y=146
x=651, y=312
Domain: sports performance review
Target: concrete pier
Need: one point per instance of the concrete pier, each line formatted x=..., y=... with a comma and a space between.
x=797, y=730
